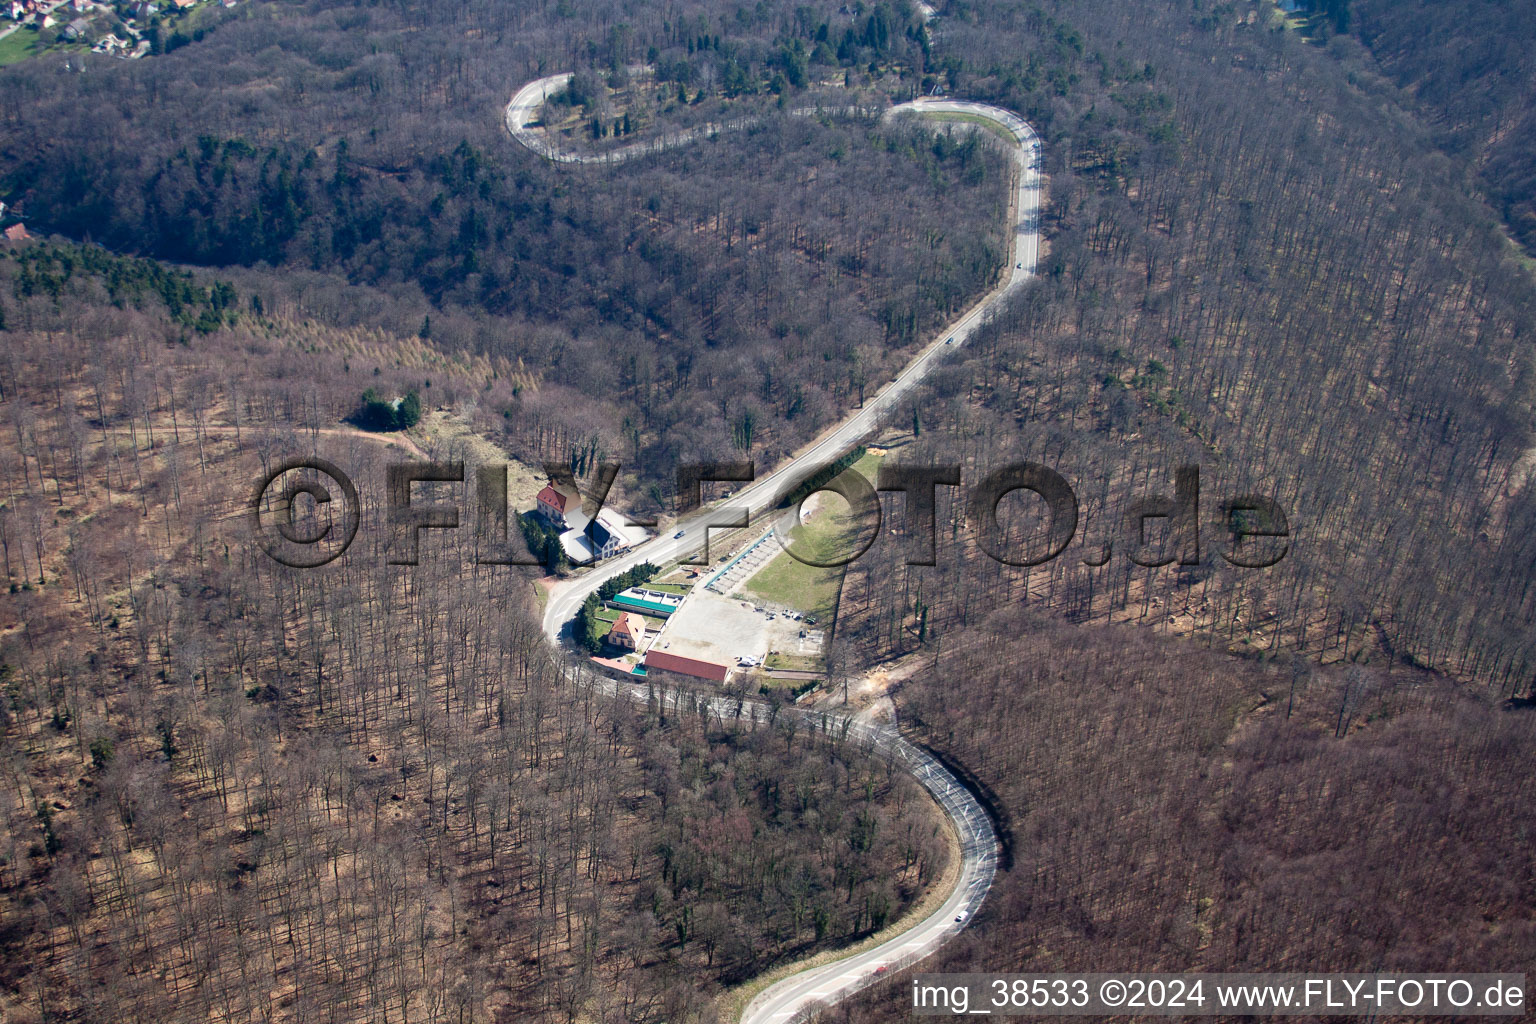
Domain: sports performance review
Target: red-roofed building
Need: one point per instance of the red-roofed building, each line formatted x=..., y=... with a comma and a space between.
x=16, y=233
x=557, y=505
x=628, y=632
x=662, y=661
x=619, y=668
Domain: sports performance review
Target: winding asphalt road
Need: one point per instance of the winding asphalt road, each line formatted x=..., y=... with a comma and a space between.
x=801, y=995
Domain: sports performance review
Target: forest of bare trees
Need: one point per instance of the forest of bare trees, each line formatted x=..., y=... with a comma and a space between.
x=1175, y=810
x=237, y=792
x=1312, y=316
x=369, y=792
x=1469, y=69
x=349, y=162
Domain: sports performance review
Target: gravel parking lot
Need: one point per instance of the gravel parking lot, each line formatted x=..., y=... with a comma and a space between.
x=722, y=629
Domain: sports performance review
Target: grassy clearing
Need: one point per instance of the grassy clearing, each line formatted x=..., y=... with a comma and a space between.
x=794, y=663
x=792, y=584
x=612, y=615
x=18, y=46
x=202, y=16
x=869, y=466
x=789, y=582
x=824, y=537
x=976, y=119
x=652, y=624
